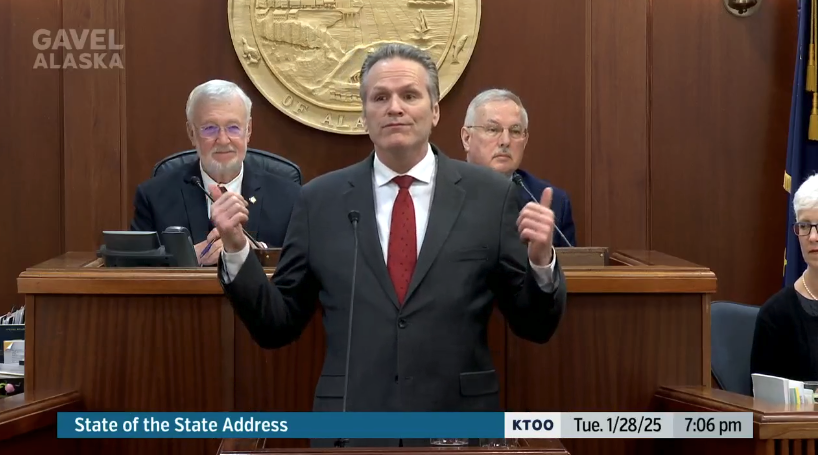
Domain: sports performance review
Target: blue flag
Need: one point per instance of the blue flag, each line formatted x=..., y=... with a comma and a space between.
x=802, y=148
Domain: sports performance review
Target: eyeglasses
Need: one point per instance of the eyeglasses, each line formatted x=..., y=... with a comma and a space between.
x=515, y=132
x=802, y=228
x=213, y=131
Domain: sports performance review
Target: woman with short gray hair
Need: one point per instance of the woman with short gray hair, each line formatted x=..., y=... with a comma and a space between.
x=785, y=342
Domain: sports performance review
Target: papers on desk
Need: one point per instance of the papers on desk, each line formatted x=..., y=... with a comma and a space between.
x=780, y=390
x=12, y=339
x=9, y=370
x=14, y=352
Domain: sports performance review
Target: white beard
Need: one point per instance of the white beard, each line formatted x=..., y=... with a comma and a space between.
x=215, y=168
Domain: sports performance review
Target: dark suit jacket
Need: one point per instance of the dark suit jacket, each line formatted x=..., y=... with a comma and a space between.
x=560, y=205
x=166, y=200
x=432, y=353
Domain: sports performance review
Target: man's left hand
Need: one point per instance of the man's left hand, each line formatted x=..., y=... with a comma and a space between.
x=536, y=227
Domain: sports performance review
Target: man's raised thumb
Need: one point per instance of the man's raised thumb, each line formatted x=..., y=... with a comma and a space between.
x=547, y=194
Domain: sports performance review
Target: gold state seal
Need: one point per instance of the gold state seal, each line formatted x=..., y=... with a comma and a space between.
x=305, y=56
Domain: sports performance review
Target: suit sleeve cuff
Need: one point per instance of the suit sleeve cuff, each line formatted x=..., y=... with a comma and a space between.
x=233, y=262
x=545, y=275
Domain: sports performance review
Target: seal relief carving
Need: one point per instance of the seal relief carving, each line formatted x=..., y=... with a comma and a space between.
x=305, y=56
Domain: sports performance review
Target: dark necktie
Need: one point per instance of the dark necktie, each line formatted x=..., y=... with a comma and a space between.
x=402, y=250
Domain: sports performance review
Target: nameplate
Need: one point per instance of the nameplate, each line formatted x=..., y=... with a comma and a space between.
x=589, y=256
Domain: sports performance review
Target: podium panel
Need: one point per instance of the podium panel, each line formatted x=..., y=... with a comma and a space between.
x=631, y=326
x=167, y=340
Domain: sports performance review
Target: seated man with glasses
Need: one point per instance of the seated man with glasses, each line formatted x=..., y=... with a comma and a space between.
x=494, y=134
x=219, y=126
x=784, y=341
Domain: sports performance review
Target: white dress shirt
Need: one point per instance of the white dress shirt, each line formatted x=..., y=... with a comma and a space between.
x=234, y=186
x=386, y=191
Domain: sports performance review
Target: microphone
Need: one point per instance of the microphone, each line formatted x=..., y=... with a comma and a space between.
x=519, y=181
x=353, y=216
x=192, y=179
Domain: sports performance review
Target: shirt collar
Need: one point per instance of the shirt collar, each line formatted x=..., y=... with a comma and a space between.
x=423, y=171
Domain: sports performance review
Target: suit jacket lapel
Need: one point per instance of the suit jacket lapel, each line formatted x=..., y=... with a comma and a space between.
x=447, y=200
x=250, y=189
x=359, y=196
x=195, y=206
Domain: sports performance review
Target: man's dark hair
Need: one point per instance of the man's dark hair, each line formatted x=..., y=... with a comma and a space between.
x=406, y=52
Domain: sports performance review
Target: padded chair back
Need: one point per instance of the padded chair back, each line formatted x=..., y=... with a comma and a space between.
x=259, y=159
x=732, y=326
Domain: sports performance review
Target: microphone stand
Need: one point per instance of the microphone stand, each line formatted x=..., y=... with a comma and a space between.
x=354, y=216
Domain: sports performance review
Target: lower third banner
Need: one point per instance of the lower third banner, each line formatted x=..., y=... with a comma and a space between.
x=393, y=425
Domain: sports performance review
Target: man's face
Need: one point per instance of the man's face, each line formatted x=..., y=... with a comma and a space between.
x=498, y=138
x=398, y=110
x=220, y=132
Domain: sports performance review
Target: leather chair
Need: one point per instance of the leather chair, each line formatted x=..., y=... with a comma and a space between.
x=732, y=326
x=260, y=159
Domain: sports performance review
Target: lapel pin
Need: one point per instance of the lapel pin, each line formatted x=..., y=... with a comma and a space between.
x=252, y=199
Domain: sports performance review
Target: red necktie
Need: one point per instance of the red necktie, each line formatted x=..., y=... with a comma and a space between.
x=402, y=252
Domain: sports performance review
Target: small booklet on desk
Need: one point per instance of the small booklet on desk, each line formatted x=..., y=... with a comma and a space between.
x=778, y=390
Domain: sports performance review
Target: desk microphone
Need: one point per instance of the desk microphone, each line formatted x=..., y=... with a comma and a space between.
x=519, y=181
x=353, y=216
x=195, y=180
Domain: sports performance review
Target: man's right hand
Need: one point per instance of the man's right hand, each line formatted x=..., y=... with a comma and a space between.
x=229, y=213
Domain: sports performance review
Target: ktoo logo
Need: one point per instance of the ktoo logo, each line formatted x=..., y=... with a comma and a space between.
x=81, y=49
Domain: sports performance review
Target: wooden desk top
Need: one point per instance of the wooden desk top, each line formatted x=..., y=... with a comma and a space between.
x=83, y=273
x=29, y=411
x=771, y=421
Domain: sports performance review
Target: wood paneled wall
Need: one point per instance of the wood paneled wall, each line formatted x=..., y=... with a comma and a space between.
x=665, y=121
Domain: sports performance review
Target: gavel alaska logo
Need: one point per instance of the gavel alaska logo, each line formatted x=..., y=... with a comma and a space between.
x=305, y=56
x=77, y=49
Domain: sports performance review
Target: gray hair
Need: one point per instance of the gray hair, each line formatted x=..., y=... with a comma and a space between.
x=216, y=90
x=495, y=94
x=806, y=197
x=405, y=52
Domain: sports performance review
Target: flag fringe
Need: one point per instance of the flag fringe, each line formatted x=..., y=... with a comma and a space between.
x=787, y=182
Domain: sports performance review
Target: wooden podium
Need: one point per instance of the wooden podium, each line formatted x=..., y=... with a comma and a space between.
x=167, y=340
x=633, y=324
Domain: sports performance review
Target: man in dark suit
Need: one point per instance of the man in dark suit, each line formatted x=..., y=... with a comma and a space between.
x=219, y=126
x=440, y=241
x=495, y=134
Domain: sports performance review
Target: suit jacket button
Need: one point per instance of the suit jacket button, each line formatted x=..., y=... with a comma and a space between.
x=402, y=323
